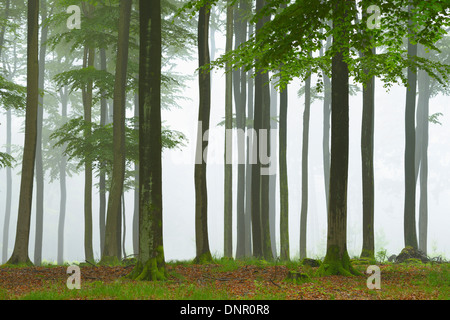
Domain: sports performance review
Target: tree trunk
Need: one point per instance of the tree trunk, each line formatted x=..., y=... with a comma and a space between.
x=102, y=174
x=39, y=164
x=410, y=235
x=249, y=166
x=284, y=190
x=326, y=131
x=240, y=95
x=201, y=197
x=367, y=145
x=62, y=185
x=8, y=151
x=151, y=263
x=422, y=118
x=3, y=30
x=8, y=190
x=273, y=164
x=228, y=183
x=136, y=186
x=20, y=253
x=112, y=250
x=336, y=259
x=304, y=206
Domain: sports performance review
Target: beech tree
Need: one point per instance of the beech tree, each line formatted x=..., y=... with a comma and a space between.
x=295, y=31
x=20, y=253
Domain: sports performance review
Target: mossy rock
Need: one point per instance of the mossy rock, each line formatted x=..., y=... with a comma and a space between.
x=297, y=277
x=310, y=262
x=413, y=260
x=411, y=253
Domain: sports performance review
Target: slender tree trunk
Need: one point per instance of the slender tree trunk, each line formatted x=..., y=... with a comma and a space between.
x=102, y=178
x=8, y=151
x=326, y=133
x=62, y=185
x=228, y=183
x=151, y=263
x=367, y=146
x=20, y=253
x=305, y=144
x=3, y=30
x=336, y=259
x=240, y=95
x=249, y=166
x=8, y=190
x=112, y=250
x=284, y=189
x=422, y=118
x=274, y=164
x=39, y=163
x=410, y=235
x=201, y=197
x=136, y=186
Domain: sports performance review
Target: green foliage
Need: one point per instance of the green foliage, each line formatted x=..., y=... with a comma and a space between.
x=6, y=160
x=98, y=147
x=434, y=118
x=12, y=95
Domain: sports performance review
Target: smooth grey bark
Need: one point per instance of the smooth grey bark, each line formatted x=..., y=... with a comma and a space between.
x=39, y=164
x=6, y=222
x=62, y=184
x=228, y=167
x=240, y=97
x=203, y=252
x=20, y=252
x=248, y=166
x=284, y=190
x=305, y=146
x=410, y=234
x=274, y=164
x=113, y=239
x=422, y=151
x=136, y=186
x=102, y=175
x=151, y=262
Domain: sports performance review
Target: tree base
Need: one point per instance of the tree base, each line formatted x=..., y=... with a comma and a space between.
x=19, y=261
x=203, y=258
x=150, y=271
x=109, y=261
x=336, y=264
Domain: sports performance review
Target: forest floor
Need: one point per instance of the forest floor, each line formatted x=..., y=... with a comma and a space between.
x=230, y=280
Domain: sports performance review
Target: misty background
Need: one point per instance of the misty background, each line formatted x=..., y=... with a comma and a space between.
x=178, y=179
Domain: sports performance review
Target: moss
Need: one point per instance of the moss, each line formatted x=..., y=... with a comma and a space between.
x=367, y=254
x=154, y=269
x=297, y=277
x=413, y=260
x=335, y=264
x=109, y=261
x=205, y=257
x=310, y=262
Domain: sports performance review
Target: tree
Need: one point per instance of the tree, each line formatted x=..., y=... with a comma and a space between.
x=305, y=143
x=39, y=164
x=228, y=183
x=284, y=189
x=410, y=236
x=87, y=91
x=295, y=37
x=367, y=146
x=201, y=196
x=20, y=253
x=151, y=263
x=112, y=249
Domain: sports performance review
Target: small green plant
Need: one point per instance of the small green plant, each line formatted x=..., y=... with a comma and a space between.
x=382, y=255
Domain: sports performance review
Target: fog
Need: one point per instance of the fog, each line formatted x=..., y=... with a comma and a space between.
x=178, y=180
